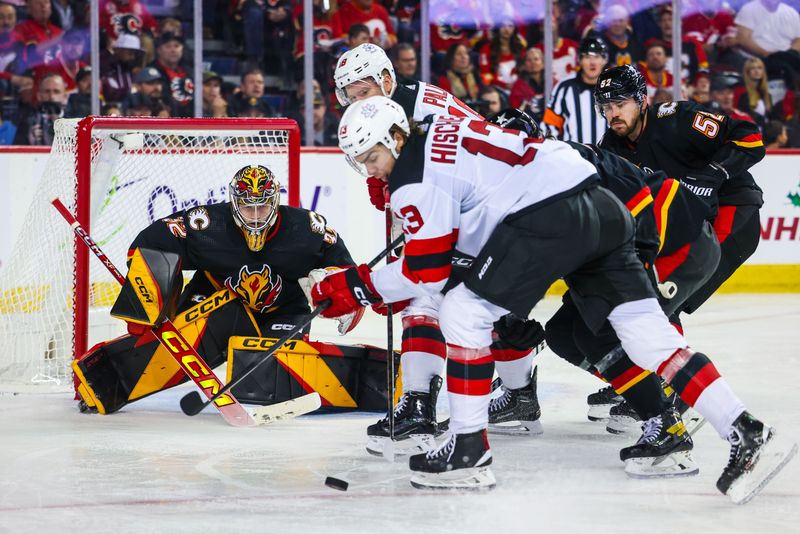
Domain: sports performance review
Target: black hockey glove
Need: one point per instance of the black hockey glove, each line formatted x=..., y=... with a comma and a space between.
x=712, y=175
x=519, y=333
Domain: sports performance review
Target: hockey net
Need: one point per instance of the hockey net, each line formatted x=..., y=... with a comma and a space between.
x=117, y=175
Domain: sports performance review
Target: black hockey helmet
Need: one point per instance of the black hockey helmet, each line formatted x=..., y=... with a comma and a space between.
x=619, y=83
x=514, y=119
x=593, y=45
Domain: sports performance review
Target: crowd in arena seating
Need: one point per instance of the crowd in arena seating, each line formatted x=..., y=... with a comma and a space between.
x=741, y=57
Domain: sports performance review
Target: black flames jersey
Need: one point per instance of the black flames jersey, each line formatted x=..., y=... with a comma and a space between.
x=207, y=239
x=710, y=153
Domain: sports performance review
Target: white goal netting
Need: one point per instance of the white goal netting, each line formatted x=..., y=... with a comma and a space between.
x=136, y=171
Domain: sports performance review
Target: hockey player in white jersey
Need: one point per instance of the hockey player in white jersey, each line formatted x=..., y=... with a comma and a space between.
x=363, y=72
x=531, y=212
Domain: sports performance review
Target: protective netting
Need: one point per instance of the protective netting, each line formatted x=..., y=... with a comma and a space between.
x=138, y=175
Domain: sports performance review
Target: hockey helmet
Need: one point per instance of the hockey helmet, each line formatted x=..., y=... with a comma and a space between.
x=367, y=123
x=364, y=61
x=620, y=83
x=593, y=45
x=255, y=196
x=515, y=119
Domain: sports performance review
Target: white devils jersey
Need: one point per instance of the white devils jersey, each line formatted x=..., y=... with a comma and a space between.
x=421, y=99
x=451, y=188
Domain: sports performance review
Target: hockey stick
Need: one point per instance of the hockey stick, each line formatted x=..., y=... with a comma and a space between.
x=390, y=378
x=192, y=403
x=172, y=340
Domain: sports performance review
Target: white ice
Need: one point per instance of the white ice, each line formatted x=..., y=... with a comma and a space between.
x=152, y=469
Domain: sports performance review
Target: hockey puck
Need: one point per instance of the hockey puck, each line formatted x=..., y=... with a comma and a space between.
x=336, y=483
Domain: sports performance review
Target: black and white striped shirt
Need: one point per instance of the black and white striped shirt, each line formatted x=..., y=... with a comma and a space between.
x=571, y=115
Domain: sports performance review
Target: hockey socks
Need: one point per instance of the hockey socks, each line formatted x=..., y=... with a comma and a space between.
x=469, y=385
x=423, y=352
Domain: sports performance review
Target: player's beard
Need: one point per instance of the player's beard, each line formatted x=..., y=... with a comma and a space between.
x=623, y=128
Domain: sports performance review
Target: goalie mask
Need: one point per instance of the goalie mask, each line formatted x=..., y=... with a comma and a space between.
x=255, y=199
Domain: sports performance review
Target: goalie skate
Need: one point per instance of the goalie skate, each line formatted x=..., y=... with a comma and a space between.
x=757, y=455
x=663, y=450
x=461, y=462
x=516, y=411
x=414, y=425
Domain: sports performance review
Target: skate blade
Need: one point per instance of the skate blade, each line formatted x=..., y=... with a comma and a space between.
x=598, y=412
x=517, y=428
x=773, y=457
x=473, y=479
x=623, y=425
x=676, y=464
x=384, y=447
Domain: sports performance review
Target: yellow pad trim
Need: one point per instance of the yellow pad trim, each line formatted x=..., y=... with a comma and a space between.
x=86, y=392
x=148, y=294
x=632, y=382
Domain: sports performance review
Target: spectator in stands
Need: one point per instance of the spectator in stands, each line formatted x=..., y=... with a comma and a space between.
x=325, y=123
x=12, y=62
x=446, y=32
x=565, y=50
x=358, y=34
x=490, y=101
x=68, y=14
x=654, y=68
x=404, y=58
x=722, y=86
x=7, y=130
x=150, y=83
x=527, y=93
x=497, y=59
x=370, y=13
x=213, y=103
x=701, y=89
x=35, y=124
x=325, y=43
x=170, y=24
x=126, y=16
x=765, y=27
x=68, y=60
x=138, y=105
x=623, y=47
x=662, y=95
x=112, y=109
x=460, y=77
x=37, y=33
x=775, y=135
x=118, y=65
x=250, y=98
x=80, y=101
x=710, y=23
x=753, y=97
x=178, y=86
x=693, y=58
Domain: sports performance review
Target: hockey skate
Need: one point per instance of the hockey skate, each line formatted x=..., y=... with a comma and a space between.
x=622, y=419
x=516, y=411
x=757, y=455
x=691, y=417
x=414, y=424
x=461, y=462
x=663, y=450
x=600, y=402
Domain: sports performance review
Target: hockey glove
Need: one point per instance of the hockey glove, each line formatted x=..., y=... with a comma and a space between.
x=347, y=290
x=381, y=309
x=378, y=192
x=711, y=176
x=346, y=322
x=518, y=333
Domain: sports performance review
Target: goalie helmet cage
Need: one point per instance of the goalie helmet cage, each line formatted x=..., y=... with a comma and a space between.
x=117, y=175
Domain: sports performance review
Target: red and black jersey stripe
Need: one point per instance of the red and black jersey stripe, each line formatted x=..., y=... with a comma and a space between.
x=469, y=371
x=429, y=260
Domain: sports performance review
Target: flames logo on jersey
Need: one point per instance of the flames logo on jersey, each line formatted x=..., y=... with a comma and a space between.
x=255, y=181
x=259, y=289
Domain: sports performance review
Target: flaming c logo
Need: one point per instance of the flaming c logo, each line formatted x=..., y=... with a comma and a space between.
x=259, y=289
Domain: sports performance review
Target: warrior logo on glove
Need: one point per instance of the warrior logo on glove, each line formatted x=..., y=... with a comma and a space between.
x=256, y=288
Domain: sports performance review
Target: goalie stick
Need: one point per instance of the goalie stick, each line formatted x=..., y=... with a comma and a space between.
x=193, y=404
x=192, y=363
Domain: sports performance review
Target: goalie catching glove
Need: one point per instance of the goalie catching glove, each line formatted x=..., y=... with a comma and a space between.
x=348, y=291
x=348, y=321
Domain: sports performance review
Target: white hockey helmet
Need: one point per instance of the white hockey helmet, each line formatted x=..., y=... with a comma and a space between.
x=367, y=123
x=364, y=61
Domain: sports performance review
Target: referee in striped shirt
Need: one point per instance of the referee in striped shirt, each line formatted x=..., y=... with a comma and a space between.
x=572, y=115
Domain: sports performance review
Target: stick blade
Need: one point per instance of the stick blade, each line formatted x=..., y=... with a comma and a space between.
x=192, y=403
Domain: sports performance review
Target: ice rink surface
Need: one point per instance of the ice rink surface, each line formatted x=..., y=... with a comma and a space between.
x=152, y=469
